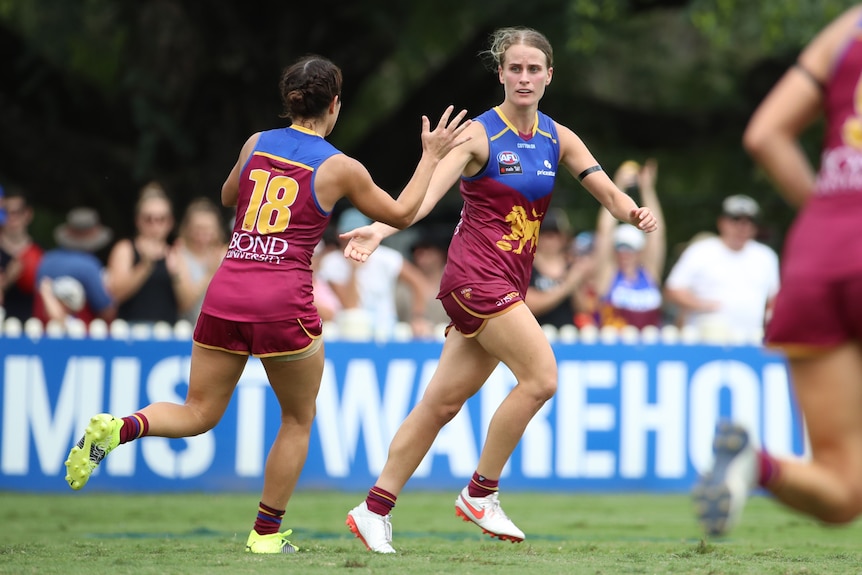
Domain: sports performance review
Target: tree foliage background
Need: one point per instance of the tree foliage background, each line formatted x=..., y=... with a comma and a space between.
x=98, y=97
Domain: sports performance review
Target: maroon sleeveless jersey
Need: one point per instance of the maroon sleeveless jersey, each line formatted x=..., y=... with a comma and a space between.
x=825, y=238
x=821, y=268
x=266, y=274
x=504, y=205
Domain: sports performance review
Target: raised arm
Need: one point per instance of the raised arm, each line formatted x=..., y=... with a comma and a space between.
x=467, y=157
x=655, y=247
x=793, y=104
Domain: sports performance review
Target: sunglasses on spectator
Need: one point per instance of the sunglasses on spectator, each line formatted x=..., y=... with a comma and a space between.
x=154, y=218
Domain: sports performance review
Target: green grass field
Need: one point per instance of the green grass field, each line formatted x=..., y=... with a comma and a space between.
x=91, y=533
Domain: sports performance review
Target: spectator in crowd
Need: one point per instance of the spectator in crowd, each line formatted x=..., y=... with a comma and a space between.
x=370, y=286
x=817, y=320
x=428, y=254
x=725, y=285
x=63, y=298
x=586, y=296
x=198, y=252
x=557, y=278
x=630, y=263
x=18, y=285
x=78, y=239
x=141, y=269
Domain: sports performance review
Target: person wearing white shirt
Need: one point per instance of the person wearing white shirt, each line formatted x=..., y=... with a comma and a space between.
x=725, y=285
x=367, y=290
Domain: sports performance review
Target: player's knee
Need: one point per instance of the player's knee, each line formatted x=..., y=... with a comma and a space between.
x=847, y=512
x=543, y=386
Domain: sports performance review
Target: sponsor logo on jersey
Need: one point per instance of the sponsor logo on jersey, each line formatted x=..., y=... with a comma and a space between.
x=259, y=248
x=548, y=171
x=509, y=163
x=507, y=298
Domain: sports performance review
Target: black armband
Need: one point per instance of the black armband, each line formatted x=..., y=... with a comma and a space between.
x=588, y=171
x=808, y=74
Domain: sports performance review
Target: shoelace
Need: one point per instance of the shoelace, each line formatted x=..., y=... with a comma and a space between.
x=287, y=546
x=97, y=454
x=494, y=507
x=387, y=529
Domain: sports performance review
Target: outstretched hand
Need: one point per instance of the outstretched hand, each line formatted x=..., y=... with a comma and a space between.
x=446, y=135
x=644, y=219
x=362, y=242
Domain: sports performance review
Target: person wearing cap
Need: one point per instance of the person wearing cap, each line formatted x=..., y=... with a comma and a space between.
x=558, y=278
x=725, y=285
x=371, y=286
x=21, y=255
x=817, y=318
x=77, y=239
x=630, y=263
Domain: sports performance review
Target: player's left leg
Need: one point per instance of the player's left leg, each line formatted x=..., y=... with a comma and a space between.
x=212, y=379
x=530, y=358
x=829, y=391
x=295, y=384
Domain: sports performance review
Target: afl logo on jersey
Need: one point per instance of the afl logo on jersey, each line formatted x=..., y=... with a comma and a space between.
x=509, y=163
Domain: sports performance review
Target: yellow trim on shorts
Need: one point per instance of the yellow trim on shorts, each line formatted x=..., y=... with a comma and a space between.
x=297, y=353
x=307, y=351
x=484, y=317
x=217, y=348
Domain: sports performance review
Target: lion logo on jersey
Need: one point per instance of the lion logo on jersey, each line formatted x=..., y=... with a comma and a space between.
x=524, y=230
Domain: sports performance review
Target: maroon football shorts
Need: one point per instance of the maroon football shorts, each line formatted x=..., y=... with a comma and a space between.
x=264, y=339
x=470, y=308
x=815, y=313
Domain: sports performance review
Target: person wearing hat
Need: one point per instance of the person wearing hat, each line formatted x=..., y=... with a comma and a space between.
x=78, y=239
x=725, y=285
x=558, y=277
x=630, y=263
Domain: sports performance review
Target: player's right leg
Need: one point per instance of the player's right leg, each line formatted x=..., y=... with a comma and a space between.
x=531, y=360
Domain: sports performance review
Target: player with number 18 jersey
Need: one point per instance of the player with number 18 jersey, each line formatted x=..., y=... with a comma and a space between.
x=266, y=274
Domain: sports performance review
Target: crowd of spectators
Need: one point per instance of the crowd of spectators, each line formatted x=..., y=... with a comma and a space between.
x=721, y=285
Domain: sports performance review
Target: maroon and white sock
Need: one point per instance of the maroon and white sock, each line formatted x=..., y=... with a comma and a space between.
x=481, y=486
x=380, y=501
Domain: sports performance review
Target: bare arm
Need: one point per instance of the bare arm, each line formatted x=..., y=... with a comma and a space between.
x=575, y=156
x=541, y=302
x=230, y=188
x=793, y=104
x=468, y=157
x=342, y=176
x=655, y=248
x=124, y=276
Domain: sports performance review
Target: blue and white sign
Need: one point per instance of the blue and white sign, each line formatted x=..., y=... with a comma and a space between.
x=625, y=417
